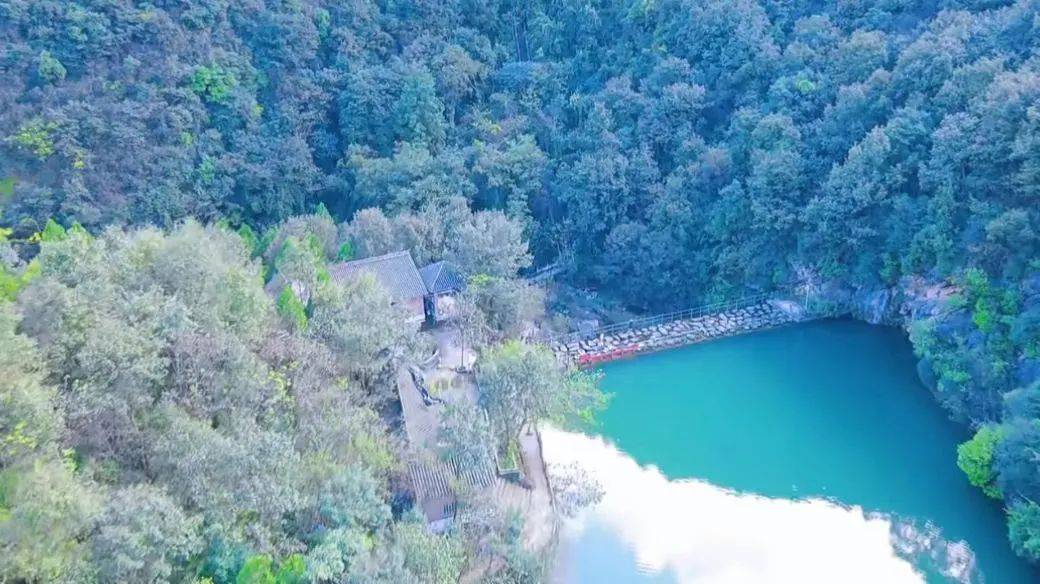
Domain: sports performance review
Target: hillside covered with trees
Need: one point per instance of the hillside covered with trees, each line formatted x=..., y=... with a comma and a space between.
x=165, y=419
x=666, y=152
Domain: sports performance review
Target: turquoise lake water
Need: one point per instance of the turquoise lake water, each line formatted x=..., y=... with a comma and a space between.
x=806, y=454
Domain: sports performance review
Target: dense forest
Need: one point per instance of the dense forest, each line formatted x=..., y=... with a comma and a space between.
x=664, y=152
x=165, y=418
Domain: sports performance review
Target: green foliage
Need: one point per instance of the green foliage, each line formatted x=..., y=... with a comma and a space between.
x=721, y=147
x=522, y=384
x=213, y=83
x=7, y=188
x=322, y=211
x=1024, y=529
x=510, y=456
x=291, y=570
x=290, y=307
x=256, y=570
x=351, y=498
x=345, y=253
x=207, y=171
x=47, y=518
x=50, y=68
x=315, y=246
x=52, y=232
x=505, y=304
x=437, y=559
x=12, y=282
x=984, y=315
x=143, y=536
x=363, y=328
x=330, y=560
x=250, y=239
x=418, y=113
x=805, y=85
x=36, y=136
x=976, y=282
x=489, y=243
x=28, y=423
x=465, y=435
x=975, y=458
x=323, y=276
x=259, y=569
x=261, y=441
x=299, y=261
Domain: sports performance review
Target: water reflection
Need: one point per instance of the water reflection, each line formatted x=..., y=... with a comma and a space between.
x=647, y=527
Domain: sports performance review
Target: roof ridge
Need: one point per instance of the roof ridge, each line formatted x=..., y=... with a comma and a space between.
x=385, y=256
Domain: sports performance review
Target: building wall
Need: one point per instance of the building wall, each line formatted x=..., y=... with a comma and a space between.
x=445, y=306
x=414, y=307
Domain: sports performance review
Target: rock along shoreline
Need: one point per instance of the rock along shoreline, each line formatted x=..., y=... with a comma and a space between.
x=667, y=335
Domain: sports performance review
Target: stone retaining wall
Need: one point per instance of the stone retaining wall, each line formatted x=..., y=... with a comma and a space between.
x=766, y=314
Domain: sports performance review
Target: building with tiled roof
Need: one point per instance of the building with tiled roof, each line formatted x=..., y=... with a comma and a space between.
x=396, y=272
x=441, y=278
x=408, y=286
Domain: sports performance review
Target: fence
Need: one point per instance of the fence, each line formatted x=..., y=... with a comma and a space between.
x=545, y=273
x=659, y=319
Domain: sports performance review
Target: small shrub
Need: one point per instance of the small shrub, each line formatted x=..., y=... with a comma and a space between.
x=36, y=136
x=292, y=309
x=213, y=83
x=50, y=68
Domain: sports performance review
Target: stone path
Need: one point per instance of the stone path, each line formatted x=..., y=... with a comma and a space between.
x=422, y=421
x=763, y=315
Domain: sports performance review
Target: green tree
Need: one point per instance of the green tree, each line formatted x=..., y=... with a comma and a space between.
x=465, y=434
x=975, y=458
x=290, y=307
x=524, y=384
x=143, y=536
x=52, y=232
x=340, y=550
x=213, y=83
x=291, y=570
x=46, y=513
x=36, y=136
x=256, y=570
x=433, y=558
x=506, y=306
x=50, y=68
x=419, y=114
x=13, y=280
x=489, y=243
x=1024, y=529
x=363, y=328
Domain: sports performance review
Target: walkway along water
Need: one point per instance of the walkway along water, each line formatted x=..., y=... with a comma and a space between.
x=674, y=329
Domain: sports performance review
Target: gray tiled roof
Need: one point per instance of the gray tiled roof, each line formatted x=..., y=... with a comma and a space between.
x=394, y=271
x=433, y=478
x=440, y=277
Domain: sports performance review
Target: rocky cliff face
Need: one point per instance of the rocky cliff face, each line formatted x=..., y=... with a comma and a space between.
x=957, y=358
x=902, y=305
x=909, y=300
